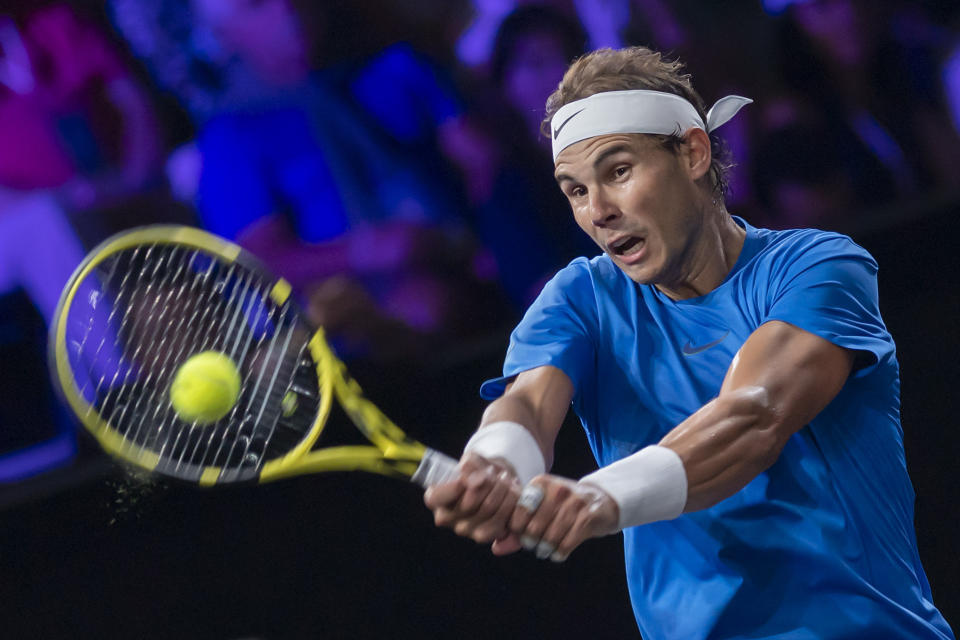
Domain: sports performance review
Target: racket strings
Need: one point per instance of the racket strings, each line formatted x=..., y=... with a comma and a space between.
x=151, y=334
x=263, y=404
x=123, y=409
x=117, y=307
x=167, y=317
x=300, y=406
x=169, y=323
x=167, y=303
x=79, y=347
x=215, y=337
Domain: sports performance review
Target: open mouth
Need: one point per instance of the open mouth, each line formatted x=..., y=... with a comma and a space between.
x=627, y=246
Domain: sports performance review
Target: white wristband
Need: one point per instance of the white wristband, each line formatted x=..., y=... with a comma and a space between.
x=649, y=485
x=511, y=442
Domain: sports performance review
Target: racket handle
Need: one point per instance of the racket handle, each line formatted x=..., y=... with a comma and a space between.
x=435, y=467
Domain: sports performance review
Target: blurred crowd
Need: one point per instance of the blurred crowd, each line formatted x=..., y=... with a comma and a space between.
x=387, y=158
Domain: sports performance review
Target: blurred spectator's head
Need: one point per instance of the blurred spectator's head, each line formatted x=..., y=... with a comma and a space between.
x=841, y=31
x=267, y=35
x=634, y=68
x=801, y=179
x=533, y=47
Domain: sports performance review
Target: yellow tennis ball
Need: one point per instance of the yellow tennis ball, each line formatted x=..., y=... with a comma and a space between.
x=205, y=387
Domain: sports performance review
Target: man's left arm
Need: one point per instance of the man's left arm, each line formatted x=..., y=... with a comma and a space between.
x=779, y=380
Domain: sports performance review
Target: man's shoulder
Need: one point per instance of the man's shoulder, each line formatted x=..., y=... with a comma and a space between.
x=797, y=247
x=585, y=286
x=589, y=272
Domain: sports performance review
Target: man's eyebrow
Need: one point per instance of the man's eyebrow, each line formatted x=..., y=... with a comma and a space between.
x=609, y=152
x=562, y=177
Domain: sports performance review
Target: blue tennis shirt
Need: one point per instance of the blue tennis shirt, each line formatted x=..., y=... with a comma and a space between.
x=819, y=546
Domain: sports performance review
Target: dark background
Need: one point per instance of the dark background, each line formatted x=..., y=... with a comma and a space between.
x=356, y=556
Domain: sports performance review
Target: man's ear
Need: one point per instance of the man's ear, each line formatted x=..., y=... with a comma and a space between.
x=697, y=157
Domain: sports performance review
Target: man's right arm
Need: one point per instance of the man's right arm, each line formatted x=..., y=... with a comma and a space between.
x=479, y=502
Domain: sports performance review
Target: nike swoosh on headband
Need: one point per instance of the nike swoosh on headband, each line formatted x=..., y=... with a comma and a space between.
x=556, y=132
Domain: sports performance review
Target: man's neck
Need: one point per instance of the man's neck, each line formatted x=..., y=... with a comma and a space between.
x=714, y=252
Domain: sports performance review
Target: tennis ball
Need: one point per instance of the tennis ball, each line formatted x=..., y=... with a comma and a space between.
x=205, y=387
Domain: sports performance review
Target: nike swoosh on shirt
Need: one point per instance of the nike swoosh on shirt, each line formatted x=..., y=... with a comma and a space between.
x=556, y=132
x=690, y=350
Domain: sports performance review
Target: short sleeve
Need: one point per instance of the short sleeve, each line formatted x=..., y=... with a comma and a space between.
x=558, y=330
x=420, y=96
x=233, y=192
x=830, y=290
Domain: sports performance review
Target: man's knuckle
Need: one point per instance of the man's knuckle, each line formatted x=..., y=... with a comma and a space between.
x=588, y=520
x=479, y=536
x=594, y=517
x=488, y=510
x=486, y=533
x=471, y=502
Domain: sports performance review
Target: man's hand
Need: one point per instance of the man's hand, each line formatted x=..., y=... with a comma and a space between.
x=478, y=503
x=568, y=514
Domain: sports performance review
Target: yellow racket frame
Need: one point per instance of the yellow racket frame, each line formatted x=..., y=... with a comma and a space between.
x=393, y=452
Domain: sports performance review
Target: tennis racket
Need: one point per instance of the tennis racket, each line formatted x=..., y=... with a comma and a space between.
x=145, y=301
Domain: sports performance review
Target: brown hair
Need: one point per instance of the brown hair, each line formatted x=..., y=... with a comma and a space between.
x=637, y=68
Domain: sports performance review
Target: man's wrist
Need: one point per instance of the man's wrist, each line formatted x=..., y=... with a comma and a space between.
x=647, y=486
x=512, y=443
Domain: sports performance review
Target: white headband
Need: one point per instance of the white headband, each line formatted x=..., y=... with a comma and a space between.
x=638, y=111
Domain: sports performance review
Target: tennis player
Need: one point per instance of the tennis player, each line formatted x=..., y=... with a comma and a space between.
x=737, y=385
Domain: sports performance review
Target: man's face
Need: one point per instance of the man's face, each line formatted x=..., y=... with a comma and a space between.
x=637, y=200
x=533, y=72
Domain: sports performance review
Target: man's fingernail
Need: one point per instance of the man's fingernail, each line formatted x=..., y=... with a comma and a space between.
x=527, y=542
x=556, y=556
x=544, y=550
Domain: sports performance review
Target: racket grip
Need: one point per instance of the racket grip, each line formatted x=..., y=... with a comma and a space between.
x=435, y=467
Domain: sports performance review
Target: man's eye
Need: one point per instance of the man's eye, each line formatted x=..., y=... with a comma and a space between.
x=576, y=192
x=621, y=171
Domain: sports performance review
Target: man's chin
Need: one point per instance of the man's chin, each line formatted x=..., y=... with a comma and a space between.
x=640, y=275
x=639, y=266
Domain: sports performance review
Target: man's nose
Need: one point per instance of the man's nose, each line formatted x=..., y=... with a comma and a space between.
x=603, y=210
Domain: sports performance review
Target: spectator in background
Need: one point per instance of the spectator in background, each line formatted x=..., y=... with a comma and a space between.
x=603, y=23
x=951, y=84
x=182, y=57
x=63, y=90
x=508, y=163
x=810, y=172
x=333, y=178
x=842, y=56
x=801, y=177
x=533, y=47
x=950, y=65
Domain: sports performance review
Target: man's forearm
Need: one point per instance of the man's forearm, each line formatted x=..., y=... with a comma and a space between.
x=726, y=444
x=537, y=399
